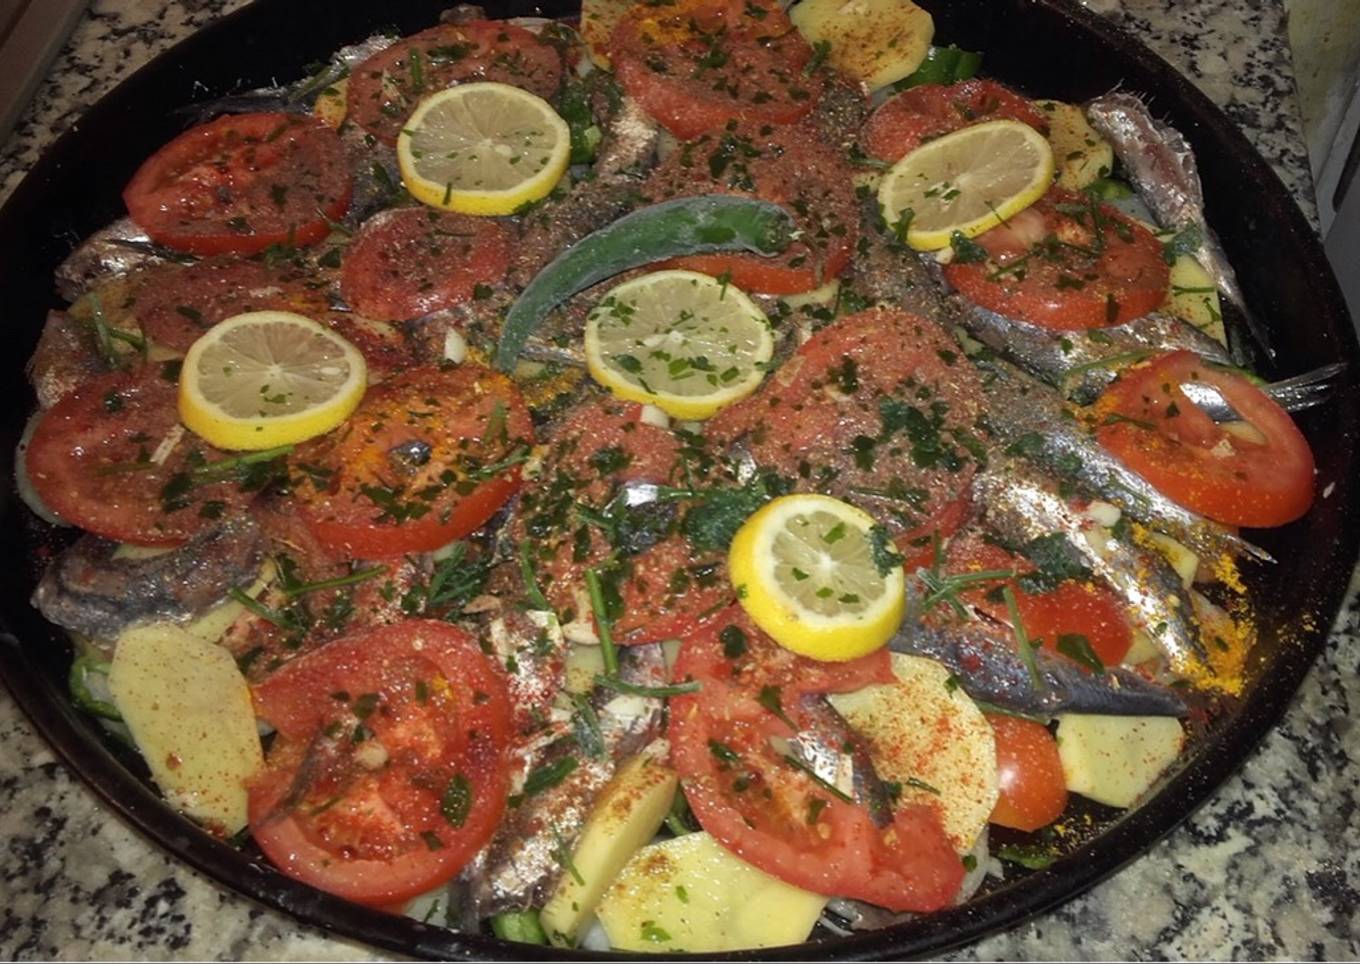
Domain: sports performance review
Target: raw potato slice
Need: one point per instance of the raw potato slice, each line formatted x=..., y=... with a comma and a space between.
x=689, y=894
x=1193, y=295
x=1115, y=759
x=190, y=714
x=331, y=106
x=923, y=729
x=625, y=817
x=1082, y=156
x=877, y=42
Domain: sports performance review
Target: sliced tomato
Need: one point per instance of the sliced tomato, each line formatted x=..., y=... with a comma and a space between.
x=391, y=769
x=696, y=64
x=1258, y=474
x=176, y=304
x=1082, y=608
x=96, y=460
x=429, y=456
x=1029, y=773
x=1067, y=262
x=408, y=262
x=747, y=795
x=241, y=183
x=385, y=88
x=907, y=120
x=879, y=409
x=664, y=588
x=786, y=165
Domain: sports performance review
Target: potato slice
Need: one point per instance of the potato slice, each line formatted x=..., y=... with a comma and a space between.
x=876, y=42
x=332, y=104
x=1115, y=759
x=690, y=894
x=1082, y=155
x=1194, y=296
x=625, y=817
x=922, y=730
x=189, y=712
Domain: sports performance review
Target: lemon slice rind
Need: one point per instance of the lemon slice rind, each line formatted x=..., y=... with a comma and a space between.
x=483, y=148
x=269, y=378
x=967, y=181
x=786, y=557
x=680, y=340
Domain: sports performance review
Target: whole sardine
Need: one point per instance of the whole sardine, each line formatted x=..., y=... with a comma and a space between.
x=989, y=668
x=1021, y=505
x=1162, y=167
x=830, y=748
x=527, y=854
x=1034, y=421
x=87, y=590
x=1082, y=363
x=111, y=251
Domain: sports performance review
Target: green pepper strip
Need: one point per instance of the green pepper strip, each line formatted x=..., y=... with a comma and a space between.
x=80, y=689
x=521, y=926
x=691, y=225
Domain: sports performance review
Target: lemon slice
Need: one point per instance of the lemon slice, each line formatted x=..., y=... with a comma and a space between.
x=483, y=148
x=805, y=571
x=682, y=341
x=269, y=378
x=967, y=181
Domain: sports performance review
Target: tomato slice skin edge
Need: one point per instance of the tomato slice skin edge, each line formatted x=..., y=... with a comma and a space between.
x=468, y=709
x=722, y=732
x=1146, y=421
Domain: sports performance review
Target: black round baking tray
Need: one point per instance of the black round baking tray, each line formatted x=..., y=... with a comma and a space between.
x=1050, y=47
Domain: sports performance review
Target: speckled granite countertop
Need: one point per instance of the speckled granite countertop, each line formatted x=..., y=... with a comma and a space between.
x=1269, y=868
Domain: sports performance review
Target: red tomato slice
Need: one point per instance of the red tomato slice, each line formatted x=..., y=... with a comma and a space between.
x=175, y=305
x=1069, y=263
x=1087, y=609
x=408, y=262
x=390, y=770
x=1029, y=772
x=909, y=119
x=787, y=165
x=696, y=64
x=1258, y=480
x=820, y=421
x=241, y=183
x=419, y=464
x=774, y=816
x=90, y=461
x=665, y=588
x=385, y=88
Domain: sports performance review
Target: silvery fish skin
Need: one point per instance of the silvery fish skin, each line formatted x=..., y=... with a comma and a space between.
x=65, y=358
x=1081, y=364
x=1032, y=419
x=881, y=270
x=523, y=860
x=628, y=141
x=1021, y=505
x=111, y=251
x=989, y=668
x=827, y=744
x=295, y=98
x=87, y=590
x=1162, y=168
x=1292, y=394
